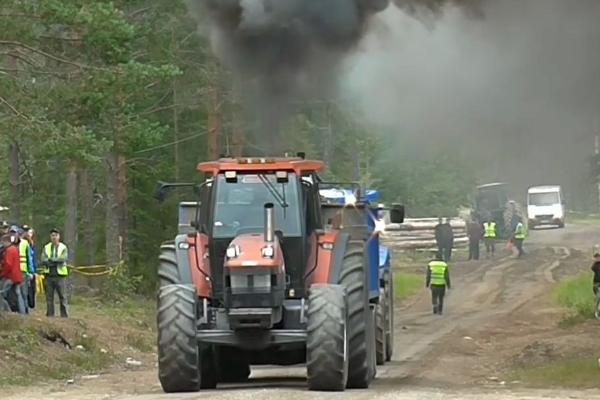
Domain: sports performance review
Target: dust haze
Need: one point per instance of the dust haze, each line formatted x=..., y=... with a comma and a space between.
x=517, y=86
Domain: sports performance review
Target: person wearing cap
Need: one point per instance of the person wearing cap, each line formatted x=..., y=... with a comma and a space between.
x=4, y=227
x=55, y=271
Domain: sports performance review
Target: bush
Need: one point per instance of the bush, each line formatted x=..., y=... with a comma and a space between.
x=576, y=295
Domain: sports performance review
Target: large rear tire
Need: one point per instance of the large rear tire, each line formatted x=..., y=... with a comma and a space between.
x=354, y=278
x=327, y=339
x=182, y=365
x=389, y=314
x=380, y=329
x=168, y=272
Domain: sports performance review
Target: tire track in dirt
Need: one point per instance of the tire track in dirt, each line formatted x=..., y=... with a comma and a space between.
x=484, y=294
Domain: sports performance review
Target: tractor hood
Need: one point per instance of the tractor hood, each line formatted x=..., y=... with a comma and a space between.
x=252, y=250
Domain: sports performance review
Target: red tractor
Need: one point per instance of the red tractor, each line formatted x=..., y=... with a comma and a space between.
x=256, y=276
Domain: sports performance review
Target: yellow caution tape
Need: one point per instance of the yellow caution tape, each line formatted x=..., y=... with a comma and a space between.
x=39, y=283
x=84, y=270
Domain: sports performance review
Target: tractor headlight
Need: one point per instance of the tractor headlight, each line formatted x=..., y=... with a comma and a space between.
x=233, y=251
x=268, y=252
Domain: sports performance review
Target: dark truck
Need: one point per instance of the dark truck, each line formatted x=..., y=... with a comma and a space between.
x=492, y=201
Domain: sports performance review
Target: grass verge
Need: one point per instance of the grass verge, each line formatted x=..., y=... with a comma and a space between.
x=583, y=218
x=574, y=373
x=407, y=284
x=576, y=295
x=99, y=336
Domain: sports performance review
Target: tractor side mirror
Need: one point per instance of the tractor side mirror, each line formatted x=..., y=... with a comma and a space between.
x=397, y=213
x=162, y=191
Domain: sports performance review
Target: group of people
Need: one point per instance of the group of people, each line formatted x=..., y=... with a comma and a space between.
x=20, y=270
x=487, y=231
x=438, y=274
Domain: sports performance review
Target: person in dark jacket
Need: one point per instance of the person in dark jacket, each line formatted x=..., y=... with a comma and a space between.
x=438, y=279
x=596, y=270
x=11, y=277
x=444, y=237
x=475, y=234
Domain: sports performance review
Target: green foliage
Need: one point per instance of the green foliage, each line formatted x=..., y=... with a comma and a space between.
x=576, y=295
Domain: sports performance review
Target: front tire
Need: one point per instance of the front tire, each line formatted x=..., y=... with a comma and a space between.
x=183, y=366
x=389, y=314
x=380, y=332
x=354, y=278
x=327, y=339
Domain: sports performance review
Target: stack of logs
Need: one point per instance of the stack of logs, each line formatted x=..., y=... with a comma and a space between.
x=418, y=234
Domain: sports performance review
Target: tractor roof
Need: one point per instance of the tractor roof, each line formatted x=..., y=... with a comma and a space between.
x=262, y=164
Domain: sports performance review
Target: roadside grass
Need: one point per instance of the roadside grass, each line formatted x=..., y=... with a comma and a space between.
x=575, y=294
x=583, y=218
x=581, y=373
x=100, y=336
x=406, y=284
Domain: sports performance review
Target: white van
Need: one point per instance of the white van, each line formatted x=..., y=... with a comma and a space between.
x=545, y=206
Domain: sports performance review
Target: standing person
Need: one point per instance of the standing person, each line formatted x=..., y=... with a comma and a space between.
x=31, y=294
x=54, y=261
x=26, y=264
x=4, y=227
x=438, y=278
x=519, y=236
x=448, y=239
x=439, y=235
x=489, y=237
x=596, y=270
x=11, y=276
x=475, y=233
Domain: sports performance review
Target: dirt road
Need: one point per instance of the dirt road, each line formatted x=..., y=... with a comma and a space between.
x=453, y=356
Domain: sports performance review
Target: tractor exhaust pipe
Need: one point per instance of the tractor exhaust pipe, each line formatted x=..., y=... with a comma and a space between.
x=269, y=223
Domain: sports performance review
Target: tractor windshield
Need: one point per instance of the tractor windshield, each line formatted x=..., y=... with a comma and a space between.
x=239, y=206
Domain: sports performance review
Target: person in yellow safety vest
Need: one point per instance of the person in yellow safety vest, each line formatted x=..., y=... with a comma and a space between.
x=489, y=237
x=54, y=268
x=519, y=236
x=27, y=267
x=438, y=279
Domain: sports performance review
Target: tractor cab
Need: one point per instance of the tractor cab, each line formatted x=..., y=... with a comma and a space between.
x=236, y=215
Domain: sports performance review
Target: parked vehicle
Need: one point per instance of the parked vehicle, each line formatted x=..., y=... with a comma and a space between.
x=546, y=206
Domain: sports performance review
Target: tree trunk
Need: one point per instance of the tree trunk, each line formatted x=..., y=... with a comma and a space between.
x=214, y=121
x=15, y=182
x=238, y=135
x=176, y=156
x=71, y=211
x=122, y=194
x=112, y=209
x=86, y=194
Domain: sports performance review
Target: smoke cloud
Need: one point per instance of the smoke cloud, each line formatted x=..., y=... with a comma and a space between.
x=288, y=50
x=517, y=87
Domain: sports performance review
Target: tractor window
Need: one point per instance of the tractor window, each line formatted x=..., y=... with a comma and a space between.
x=239, y=206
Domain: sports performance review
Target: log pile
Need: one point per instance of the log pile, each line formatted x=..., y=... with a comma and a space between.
x=418, y=234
